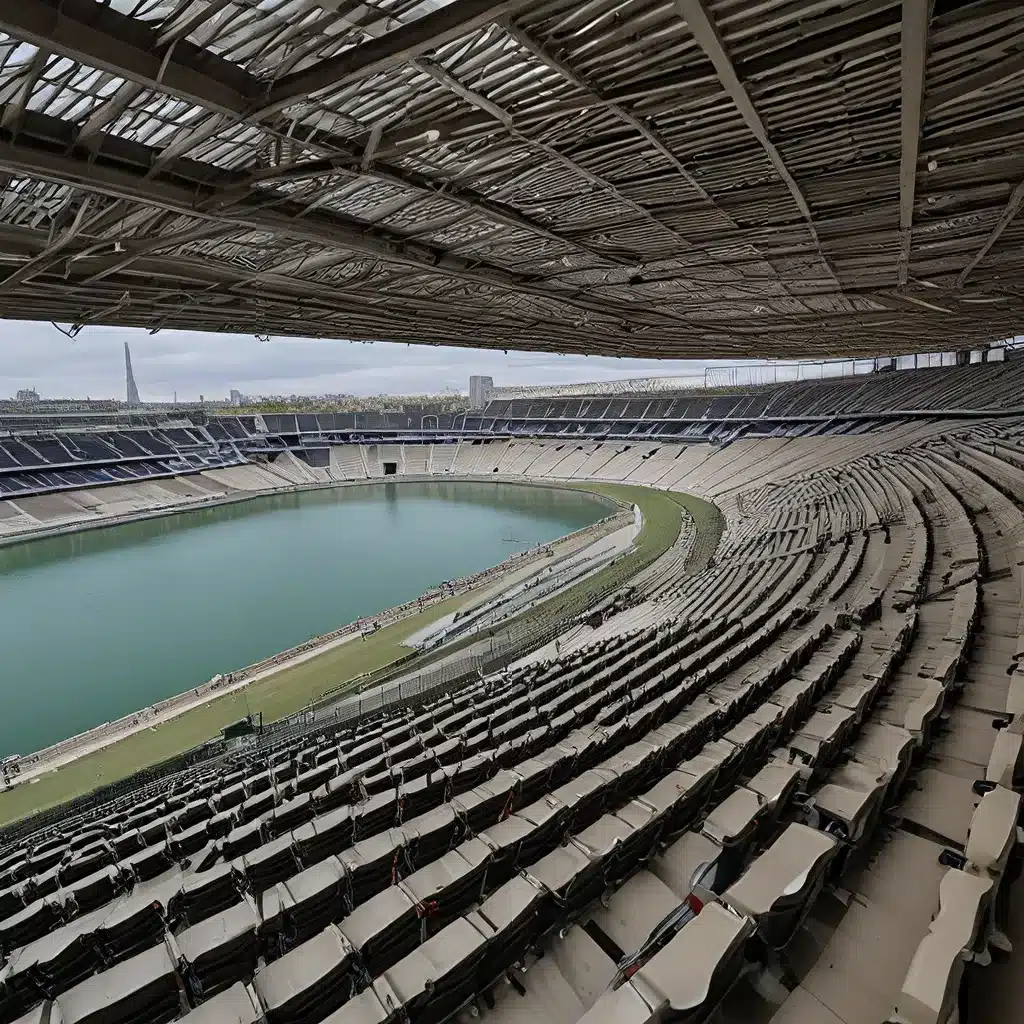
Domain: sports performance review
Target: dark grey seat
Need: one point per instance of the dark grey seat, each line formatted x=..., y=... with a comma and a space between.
x=143, y=990
x=309, y=982
x=220, y=951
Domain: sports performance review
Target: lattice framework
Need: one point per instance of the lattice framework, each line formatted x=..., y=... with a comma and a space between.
x=633, y=177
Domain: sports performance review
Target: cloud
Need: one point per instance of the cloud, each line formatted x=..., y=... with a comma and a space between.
x=192, y=364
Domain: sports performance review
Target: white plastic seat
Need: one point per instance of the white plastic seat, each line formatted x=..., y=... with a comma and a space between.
x=993, y=831
x=236, y=1005
x=887, y=747
x=1015, y=694
x=435, y=979
x=923, y=711
x=624, y=1005
x=964, y=902
x=932, y=984
x=854, y=796
x=679, y=864
x=777, y=890
x=689, y=977
x=776, y=783
x=821, y=738
x=735, y=819
x=1006, y=762
x=634, y=910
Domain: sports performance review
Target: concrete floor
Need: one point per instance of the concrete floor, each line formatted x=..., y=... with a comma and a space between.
x=996, y=992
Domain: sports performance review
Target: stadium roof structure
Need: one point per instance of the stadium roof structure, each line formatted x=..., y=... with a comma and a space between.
x=663, y=178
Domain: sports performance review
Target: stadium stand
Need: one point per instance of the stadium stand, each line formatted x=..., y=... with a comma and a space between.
x=38, y=463
x=859, y=400
x=784, y=786
x=507, y=439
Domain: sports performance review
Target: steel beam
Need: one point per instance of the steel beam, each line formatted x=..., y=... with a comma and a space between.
x=102, y=37
x=705, y=31
x=1013, y=204
x=121, y=182
x=99, y=36
x=503, y=117
x=526, y=41
x=389, y=51
x=964, y=86
x=913, y=54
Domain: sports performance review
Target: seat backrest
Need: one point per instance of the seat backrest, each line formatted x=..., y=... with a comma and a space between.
x=784, y=872
x=695, y=970
x=930, y=988
x=993, y=830
x=624, y=1005
x=775, y=782
x=678, y=864
x=733, y=817
x=1015, y=694
x=964, y=898
x=584, y=965
x=1005, y=761
x=238, y=1004
x=923, y=710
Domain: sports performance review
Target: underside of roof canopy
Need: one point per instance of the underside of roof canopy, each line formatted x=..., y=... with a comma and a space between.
x=668, y=178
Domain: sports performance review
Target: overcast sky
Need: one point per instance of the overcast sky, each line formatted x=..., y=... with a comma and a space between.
x=37, y=355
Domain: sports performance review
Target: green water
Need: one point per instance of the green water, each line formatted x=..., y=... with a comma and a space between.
x=98, y=624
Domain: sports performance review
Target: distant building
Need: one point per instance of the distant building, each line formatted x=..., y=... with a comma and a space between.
x=129, y=380
x=237, y=398
x=480, y=389
x=27, y=395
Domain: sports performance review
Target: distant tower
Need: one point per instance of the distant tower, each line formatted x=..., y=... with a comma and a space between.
x=480, y=389
x=129, y=377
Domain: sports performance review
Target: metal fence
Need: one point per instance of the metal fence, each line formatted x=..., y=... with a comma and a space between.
x=134, y=785
x=390, y=691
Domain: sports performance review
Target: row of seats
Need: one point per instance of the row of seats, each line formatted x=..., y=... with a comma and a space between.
x=987, y=387
x=417, y=906
x=42, y=451
x=749, y=810
x=349, y=896
x=907, y=572
x=599, y=681
x=15, y=485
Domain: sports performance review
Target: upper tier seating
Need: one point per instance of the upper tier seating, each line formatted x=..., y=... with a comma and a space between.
x=40, y=463
x=839, y=402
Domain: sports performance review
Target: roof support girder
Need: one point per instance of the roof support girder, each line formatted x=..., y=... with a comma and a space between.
x=705, y=31
x=1013, y=204
x=502, y=116
x=120, y=182
x=101, y=37
x=913, y=54
x=523, y=38
x=396, y=47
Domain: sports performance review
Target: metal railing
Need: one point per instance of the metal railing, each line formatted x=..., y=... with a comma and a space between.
x=135, y=785
x=389, y=691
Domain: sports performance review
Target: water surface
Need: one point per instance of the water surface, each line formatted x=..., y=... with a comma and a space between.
x=98, y=624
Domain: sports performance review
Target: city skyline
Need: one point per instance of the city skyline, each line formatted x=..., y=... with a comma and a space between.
x=40, y=357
